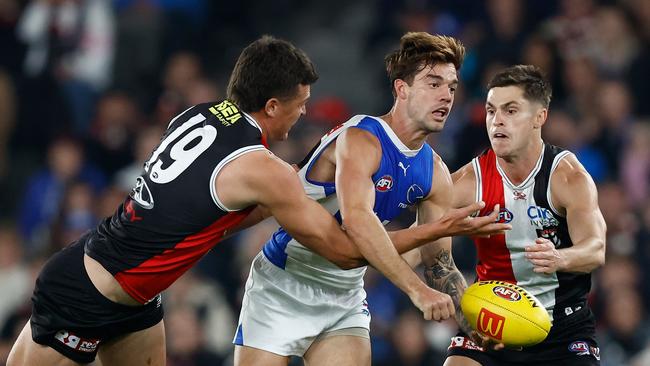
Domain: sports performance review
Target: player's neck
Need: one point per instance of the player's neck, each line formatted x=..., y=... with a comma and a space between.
x=261, y=121
x=406, y=131
x=518, y=166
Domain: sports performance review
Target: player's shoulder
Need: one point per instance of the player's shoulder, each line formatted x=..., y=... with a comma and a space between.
x=569, y=168
x=570, y=177
x=464, y=173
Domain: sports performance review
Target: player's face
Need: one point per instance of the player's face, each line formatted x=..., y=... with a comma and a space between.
x=511, y=120
x=288, y=112
x=431, y=96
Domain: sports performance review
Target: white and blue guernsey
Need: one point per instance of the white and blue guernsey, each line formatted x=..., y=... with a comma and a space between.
x=404, y=177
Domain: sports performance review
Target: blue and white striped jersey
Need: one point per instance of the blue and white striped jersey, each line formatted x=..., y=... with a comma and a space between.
x=403, y=179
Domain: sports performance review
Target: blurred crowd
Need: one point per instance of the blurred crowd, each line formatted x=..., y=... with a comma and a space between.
x=88, y=86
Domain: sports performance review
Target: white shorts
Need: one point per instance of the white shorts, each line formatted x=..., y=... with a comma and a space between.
x=283, y=315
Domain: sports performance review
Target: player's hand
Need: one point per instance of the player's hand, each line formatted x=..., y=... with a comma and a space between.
x=459, y=222
x=544, y=257
x=485, y=342
x=434, y=305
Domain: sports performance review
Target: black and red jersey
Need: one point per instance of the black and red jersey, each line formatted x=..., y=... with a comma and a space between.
x=173, y=216
x=529, y=209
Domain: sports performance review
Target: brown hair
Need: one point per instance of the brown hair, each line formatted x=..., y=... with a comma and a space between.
x=419, y=50
x=530, y=78
x=268, y=68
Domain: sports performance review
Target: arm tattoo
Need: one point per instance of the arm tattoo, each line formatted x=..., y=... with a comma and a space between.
x=443, y=276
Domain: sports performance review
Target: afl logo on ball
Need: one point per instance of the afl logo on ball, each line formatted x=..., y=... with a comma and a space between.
x=506, y=293
x=384, y=184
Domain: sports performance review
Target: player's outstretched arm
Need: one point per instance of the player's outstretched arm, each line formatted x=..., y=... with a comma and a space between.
x=574, y=194
x=455, y=222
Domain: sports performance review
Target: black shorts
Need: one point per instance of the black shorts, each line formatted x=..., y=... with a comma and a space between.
x=71, y=316
x=570, y=342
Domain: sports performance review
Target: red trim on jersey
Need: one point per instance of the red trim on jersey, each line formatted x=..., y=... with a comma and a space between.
x=493, y=254
x=154, y=275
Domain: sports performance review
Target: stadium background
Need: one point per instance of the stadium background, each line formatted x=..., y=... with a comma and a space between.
x=84, y=97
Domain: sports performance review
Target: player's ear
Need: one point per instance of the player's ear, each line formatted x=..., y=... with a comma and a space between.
x=401, y=88
x=540, y=117
x=271, y=107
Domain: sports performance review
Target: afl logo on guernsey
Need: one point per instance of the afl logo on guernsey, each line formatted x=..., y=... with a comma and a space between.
x=505, y=215
x=384, y=184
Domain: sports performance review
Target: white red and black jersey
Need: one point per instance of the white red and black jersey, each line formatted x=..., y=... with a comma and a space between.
x=529, y=209
x=173, y=216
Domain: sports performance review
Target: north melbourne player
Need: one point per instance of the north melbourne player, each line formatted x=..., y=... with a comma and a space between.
x=364, y=172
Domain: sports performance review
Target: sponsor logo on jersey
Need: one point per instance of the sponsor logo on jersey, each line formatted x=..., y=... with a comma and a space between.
x=581, y=348
x=141, y=194
x=541, y=217
x=75, y=342
x=595, y=351
x=506, y=293
x=414, y=194
x=519, y=195
x=226, y=112
x=384, y=184
x=130, y=213
x=401, y=165
x=490, y=323
x=550, y=233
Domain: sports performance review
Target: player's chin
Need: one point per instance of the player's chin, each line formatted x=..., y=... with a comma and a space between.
x=500, y=147
x=436, y=125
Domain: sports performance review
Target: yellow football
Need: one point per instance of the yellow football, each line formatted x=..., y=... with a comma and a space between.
x=506, y=313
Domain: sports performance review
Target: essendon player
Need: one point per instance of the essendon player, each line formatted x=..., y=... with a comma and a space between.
x=101, y=295
x=558, y=234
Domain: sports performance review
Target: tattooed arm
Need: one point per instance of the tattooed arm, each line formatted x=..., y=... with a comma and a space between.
x=440, y=273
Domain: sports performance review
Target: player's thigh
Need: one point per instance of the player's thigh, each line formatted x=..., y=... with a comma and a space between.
x=339, y=350
x=249, y=356
x=26, y=352
x=460, y=361
x=144, y=347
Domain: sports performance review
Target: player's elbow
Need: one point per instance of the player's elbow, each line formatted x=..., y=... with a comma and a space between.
x=599, y=255
x=355, y=224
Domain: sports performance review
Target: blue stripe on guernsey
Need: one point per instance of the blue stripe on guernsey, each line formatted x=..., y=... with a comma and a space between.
x=274, y=249
x=338, y=217
x=239, y=338
x=329, y=189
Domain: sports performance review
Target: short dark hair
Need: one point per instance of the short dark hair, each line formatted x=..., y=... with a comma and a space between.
x=268, y=68
x=530, y=78
x=419, y=50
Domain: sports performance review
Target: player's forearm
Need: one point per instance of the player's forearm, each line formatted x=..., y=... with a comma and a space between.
x=374, y=244
x=442, y=275
x=583, y=257
x=408, y=239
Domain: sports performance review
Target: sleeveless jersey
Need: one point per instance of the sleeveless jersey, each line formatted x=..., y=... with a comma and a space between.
x=529, y=209
x=173, y=216
x=404, y=177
